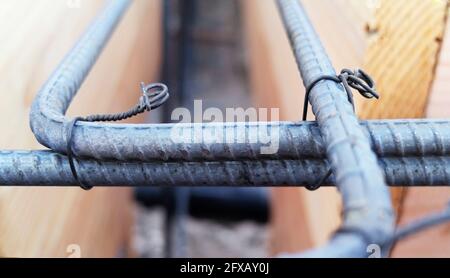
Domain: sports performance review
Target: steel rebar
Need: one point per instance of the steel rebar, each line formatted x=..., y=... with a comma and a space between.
x=368, y=214
x=48, y=168
x=293, y=140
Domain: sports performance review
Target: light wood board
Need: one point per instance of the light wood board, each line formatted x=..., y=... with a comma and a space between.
x=422, y=201
x=35, y=36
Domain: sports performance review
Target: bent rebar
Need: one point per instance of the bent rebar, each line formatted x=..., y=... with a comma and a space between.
x=150, y=142
x=49, y=168
x=368, y=214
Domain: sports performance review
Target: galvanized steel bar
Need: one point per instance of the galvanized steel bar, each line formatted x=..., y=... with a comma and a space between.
x=48, y=168
x=368, y=214
x=293, y=140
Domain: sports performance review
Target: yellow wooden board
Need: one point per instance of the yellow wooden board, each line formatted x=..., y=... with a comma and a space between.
x=404, y=43
x=421, y=201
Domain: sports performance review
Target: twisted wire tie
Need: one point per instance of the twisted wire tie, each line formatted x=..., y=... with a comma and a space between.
x=358, y=80
x=153, y=96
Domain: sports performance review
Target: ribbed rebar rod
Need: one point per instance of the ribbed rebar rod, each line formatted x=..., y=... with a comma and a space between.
x=159, y=142
x=49, y=168
x=289, y=140
x=368, y=214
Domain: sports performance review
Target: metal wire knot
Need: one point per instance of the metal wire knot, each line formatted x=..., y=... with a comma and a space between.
x=358, y=80
x=153, y=96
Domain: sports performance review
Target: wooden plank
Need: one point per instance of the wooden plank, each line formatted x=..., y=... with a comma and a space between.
x=35, y=37
x=405, y=38
x=421, y=201
x=439, y=100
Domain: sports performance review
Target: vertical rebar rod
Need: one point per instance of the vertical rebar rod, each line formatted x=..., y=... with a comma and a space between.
x=368, y=214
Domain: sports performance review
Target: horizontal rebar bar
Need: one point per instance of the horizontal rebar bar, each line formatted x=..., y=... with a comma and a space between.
x=49, y=168
x=292, y=140
x=368, y=214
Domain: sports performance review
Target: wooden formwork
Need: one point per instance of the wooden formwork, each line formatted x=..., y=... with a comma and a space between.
x=400, y=44
x=61, y=222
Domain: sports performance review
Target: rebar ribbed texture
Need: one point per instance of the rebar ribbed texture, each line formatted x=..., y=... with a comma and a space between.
x=368, y=214
x=292, y=140
x=49, y=168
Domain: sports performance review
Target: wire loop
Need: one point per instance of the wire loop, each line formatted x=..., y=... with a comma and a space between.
x=358, y=80
x=153, y=96
x=69, y=153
